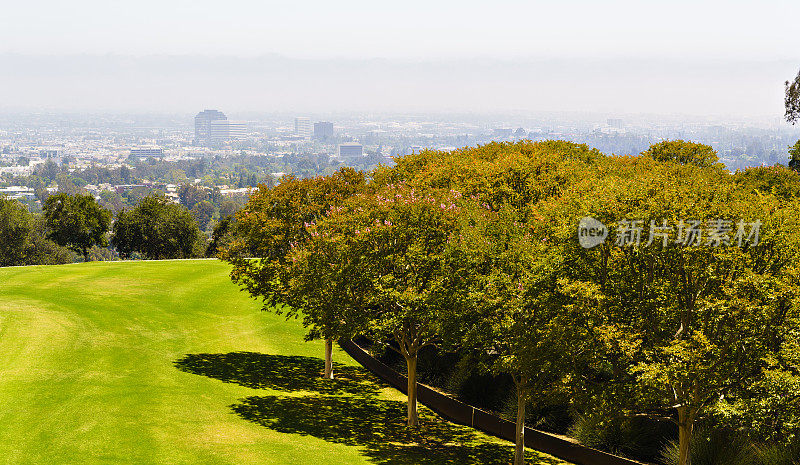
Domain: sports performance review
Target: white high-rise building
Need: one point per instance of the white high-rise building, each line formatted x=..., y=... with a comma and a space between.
x=303, y=127
x=202, y=125
x=224, y=130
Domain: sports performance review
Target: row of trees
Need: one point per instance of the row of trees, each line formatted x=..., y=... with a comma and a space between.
x=24, y=238
x=155, y=228
x=476, y=250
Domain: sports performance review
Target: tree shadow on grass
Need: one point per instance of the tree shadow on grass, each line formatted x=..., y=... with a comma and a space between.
x=378, y=426
x=279, y=372
x=346, y=410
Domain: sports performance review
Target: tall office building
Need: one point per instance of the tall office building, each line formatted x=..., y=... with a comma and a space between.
x=224, y=130
x=237, y=130
x=323, y=130
x=302, y=127
x=202, y=125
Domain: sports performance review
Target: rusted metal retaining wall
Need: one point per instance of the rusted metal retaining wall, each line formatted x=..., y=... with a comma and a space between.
x=459, y=412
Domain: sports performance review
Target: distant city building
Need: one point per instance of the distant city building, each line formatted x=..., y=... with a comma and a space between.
x=323, y=130
x=237, y=129
x=17, y=170
x=224, y=130
x=147, y=152
x=303, y=127
x=350, y=151
x=614, y=123
x=202, y=125
x=503, y=132
x=237, y=191
x=18, y=192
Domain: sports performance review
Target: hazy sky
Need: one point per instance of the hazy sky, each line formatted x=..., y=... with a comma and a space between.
x=688, y=50
x=408, y=28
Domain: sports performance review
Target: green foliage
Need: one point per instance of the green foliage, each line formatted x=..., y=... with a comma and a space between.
x=477, y=248
x=76, y=221
x=716, y=447
x=221, y=236
x=794, y=156
x=101, y=254
x=631, y=437
x=770, y=408
x=68, y=184
x=48, y=171
x=191, y=195
x=682, y=327
x=519, y=316
x=728, y=447
x=43, y=251
x=683, y=152
x=499, y=173
x=792, y=100
x=274, y=220
x=23, y=238
x=778, y=180
x=230, y=206
x=392, y=244
x=157, y=229
x=778, y=454
x=15, y=227
x=382, y=256
x=203, y=213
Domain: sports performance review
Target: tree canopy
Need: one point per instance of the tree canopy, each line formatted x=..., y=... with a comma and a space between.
x=684, y=310
x=24, y=238
x=157, y=229
x=273, y=222
x=392, y=242
x=76, y=221
x=685, y=324
x=683, y=152
x=794, y=156
x=15, y=226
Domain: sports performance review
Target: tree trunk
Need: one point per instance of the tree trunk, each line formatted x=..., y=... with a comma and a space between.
x=411, y=363
x=685, y=427
x=519, y=437
x=328, y=359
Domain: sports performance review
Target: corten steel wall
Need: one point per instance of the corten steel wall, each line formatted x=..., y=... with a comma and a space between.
x=465, y=414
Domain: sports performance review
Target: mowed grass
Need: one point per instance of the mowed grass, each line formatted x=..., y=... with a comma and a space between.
x=168, y=362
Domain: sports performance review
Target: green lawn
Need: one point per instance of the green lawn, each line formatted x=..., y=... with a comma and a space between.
x=168, y=362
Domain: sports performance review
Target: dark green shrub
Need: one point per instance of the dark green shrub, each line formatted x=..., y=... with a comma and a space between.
x=640, y=437
x=715, y=447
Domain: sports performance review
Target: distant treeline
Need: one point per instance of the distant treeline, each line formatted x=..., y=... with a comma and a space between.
x=76, y=227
